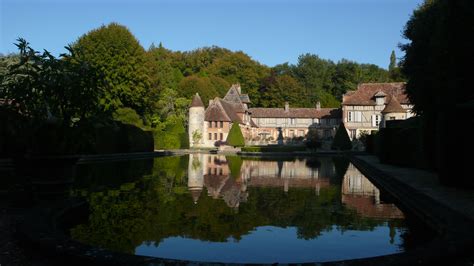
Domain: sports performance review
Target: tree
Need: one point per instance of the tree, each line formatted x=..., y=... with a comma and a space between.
x=194, y=84
x=41, y=87
x=235, y=137
x=393, y=61
x=315, y=75
x=439, y=44
x=278, y=89
x=341, y=140
x=240, y=68
x=121, y=60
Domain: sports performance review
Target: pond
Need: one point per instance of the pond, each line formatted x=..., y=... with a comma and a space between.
x=216, y=208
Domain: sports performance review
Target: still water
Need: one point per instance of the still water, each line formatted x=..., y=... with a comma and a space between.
x=217, y=208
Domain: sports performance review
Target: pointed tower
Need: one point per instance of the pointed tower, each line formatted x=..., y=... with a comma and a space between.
x=196, y=122
x=393, y=111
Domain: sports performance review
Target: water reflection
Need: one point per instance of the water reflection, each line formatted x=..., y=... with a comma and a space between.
x=230, y=203
x=360, y=194
x=227, y=177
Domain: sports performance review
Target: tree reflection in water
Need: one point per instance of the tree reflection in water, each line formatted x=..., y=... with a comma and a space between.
x=214, y=198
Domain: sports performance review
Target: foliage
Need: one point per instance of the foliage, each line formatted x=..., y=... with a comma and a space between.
x=312, y=140
x=194, y=84
x=128, y=116
x=235, y=137
x=43, y=87
x=171, y=134
x=197, y=136
x=278, y=89
x=438, y=45
x=121, y=60
x=341, y=139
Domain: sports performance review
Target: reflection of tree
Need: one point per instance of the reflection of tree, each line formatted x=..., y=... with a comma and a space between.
x=158, y=206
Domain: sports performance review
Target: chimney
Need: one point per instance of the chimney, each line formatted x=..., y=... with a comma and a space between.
x=210, y=102
x=318, y=105
x=238, y=88
x=287, y=107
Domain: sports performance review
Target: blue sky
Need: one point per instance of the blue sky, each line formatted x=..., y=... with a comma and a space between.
x=271, y=32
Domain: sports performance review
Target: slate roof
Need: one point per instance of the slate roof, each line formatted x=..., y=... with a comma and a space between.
x=295, y=113
x=221, y=110
x=366, y=92
x=245, y=98
x=393, y=106
x=196, y=102
x=233, y=94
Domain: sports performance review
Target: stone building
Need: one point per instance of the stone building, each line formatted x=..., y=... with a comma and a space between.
x=209, y=127
x=372, y=104
x=285, y=124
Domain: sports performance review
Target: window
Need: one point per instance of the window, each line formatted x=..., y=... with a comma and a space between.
x=293, y=121
x=292, y=133
x=392, y=118
x=215, y=123
x=220, y=171
x=215, y=136
x=210, y=124
x=210, y=136
x=221, y=136
x=354, y=116
x=209, y=171
x=221, y=124
x=375, y=120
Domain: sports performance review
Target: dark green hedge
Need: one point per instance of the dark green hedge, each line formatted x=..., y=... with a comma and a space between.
x=400, y=144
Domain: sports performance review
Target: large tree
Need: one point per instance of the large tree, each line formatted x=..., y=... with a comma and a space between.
x=439, y=84
x=119, y=57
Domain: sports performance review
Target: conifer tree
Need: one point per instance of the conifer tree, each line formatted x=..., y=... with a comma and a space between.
x=235, y=137
x=341, y=140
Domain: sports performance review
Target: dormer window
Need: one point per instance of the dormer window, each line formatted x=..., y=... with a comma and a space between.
x=380, y=98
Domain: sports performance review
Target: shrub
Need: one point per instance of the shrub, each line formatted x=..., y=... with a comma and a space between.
x=171, y=134
x=341, y=140
x=128, y=116
x=235, y=137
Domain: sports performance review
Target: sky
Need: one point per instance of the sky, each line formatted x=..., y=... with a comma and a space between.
x=271, y=32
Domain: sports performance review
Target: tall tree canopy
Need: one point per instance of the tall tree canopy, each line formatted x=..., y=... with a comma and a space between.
x=121, y=59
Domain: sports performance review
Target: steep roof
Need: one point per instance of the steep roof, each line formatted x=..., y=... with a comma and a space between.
x=245, y=98
x=221, y=110
x=366, y=92
x=233, y=94
x=393, y=106
x=295, y=113
x=196, y=102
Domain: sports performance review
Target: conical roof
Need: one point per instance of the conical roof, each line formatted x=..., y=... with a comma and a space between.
x=197, y=102
x=393, y=106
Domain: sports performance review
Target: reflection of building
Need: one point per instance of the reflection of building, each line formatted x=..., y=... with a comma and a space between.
x=213, y=172
x=360, y=194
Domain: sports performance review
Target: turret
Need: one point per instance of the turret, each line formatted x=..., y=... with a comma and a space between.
x=393, y=111
x=196, y=122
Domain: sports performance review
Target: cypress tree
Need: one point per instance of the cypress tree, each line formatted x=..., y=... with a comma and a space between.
x=235, y=137
x=341, y=140
x=393, y=62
